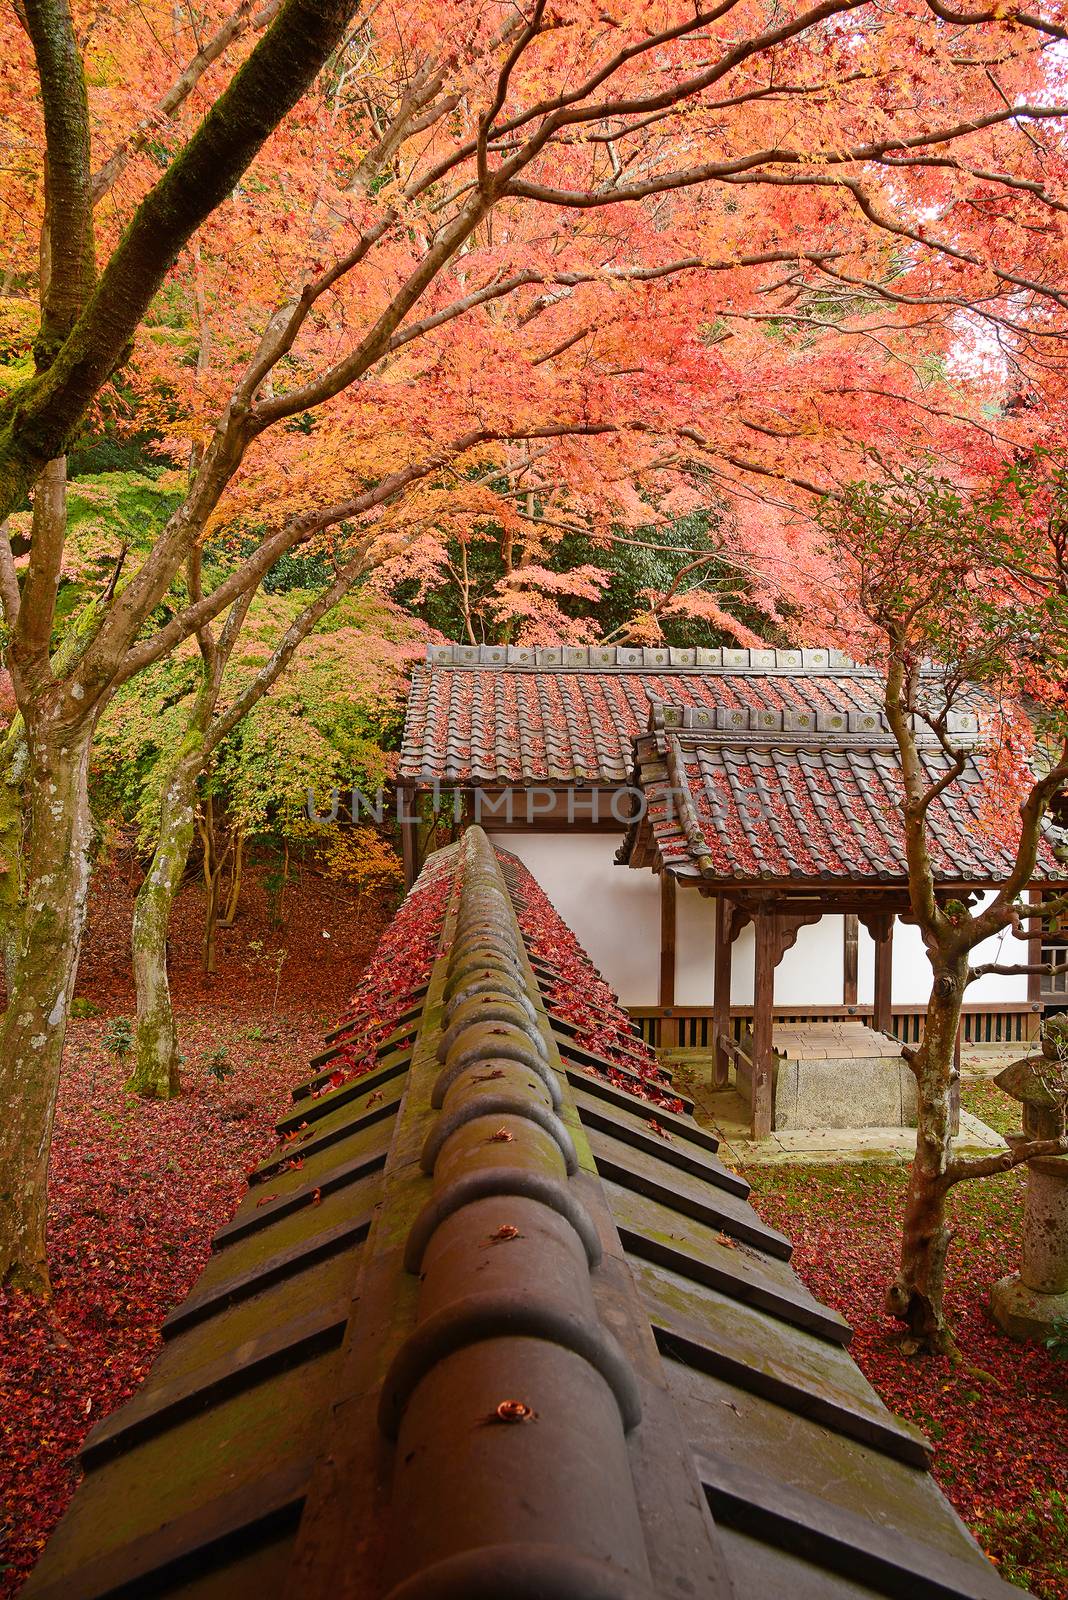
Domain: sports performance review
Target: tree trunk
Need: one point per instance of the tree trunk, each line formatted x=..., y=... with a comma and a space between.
x=156, y=1052
x=211, y=925
x=45, y=967
x=213, y=867
x=15, y=762
x=229, y=917
x=915, y=1297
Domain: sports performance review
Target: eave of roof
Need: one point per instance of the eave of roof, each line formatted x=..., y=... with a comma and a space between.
x=812, y=803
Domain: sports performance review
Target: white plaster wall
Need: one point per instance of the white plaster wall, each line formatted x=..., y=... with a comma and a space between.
x=809, y=974
x=812, y=973
x=912, y=971
x=695, y=945
x=613, y=911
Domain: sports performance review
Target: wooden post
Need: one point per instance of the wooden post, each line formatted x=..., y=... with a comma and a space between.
x=850, y=931
x=669, y=1028
x=721, y=994
x=884, y=966
x=409, y=825
x=1034, y=949
x=763, y=1107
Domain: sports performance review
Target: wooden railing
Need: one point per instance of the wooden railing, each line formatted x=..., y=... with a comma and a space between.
x=690, y=1027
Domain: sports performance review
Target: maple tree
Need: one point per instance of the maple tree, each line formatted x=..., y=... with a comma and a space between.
x=451, y=245
x=535, y=584
x=170, y=757
x=86, y=324
x=961, y=597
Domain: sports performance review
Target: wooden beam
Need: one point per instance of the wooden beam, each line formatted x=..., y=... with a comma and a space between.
x=848, y=891
x=721, y=995
x=763, y=1102
x=669, y=1028
x=850, y=957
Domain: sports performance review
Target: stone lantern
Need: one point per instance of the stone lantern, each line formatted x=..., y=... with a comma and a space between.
x=1028, y=1302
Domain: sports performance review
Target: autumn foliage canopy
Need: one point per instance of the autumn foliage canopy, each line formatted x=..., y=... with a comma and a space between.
x=580, y=267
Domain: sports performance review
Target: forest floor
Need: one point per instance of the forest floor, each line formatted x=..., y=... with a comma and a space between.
x=138, y=1189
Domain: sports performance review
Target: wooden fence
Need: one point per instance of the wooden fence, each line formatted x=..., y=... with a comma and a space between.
x=690, y=1027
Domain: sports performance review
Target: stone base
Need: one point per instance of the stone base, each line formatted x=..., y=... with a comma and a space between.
x=837, y=1075
x=849, y=1092
x=1023, y=1314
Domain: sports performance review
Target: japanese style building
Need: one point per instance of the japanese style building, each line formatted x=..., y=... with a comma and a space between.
x=494, y=1322
x=784, y=784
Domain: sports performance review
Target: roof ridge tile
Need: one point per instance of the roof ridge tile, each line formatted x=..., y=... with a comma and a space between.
x=533, y=1394
x=606, y=658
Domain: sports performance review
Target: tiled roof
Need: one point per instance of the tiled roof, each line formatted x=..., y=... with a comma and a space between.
x=810, y=802
x=504, y=715
x=502, y=1329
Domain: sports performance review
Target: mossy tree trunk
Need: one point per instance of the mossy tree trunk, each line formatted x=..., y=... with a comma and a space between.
x=916, y=1296
x=87, y=326
x=45, y=967
x=156, y=1048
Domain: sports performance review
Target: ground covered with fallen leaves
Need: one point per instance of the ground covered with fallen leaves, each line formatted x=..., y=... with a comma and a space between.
x=999, y=1420
x=138, y=1189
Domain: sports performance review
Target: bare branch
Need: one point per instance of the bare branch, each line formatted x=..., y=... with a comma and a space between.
x=1025, y=19
x=486, y=121
x=628, y=274
x=300, y=529
x=1045, y=969
x=918, y=236
x=756, y=467
x=744, y=165
x=1032, y=810
x=292, y=638
x=960, y=1170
